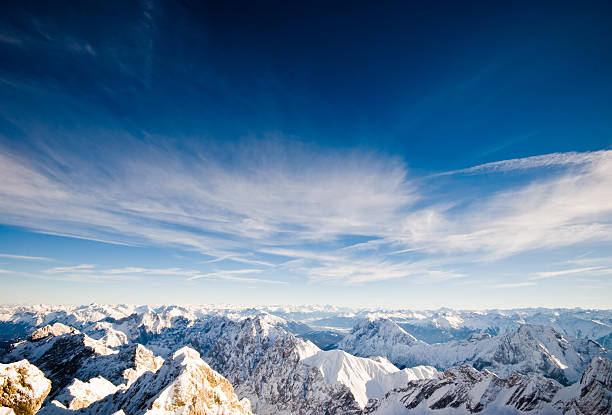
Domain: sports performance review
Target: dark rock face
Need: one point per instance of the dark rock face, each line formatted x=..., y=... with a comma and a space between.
x=63, y=357
x=595, y=390
x=64, y=354
x=261, y=361
x=263, y=364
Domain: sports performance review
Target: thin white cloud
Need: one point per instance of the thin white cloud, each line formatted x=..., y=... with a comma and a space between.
x=551, y=274
x=251, y=280
x=276, y=206
x=81, y=269
x=151, y=271
x=94, y=277
x=225, y=273
x=515, y=285
x=26, y=257
x=546, y=160
x=6, y=271
x=89, y=272
x=218, y=210
x=569, y=208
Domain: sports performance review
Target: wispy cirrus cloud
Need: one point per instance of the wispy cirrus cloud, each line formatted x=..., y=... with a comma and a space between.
x=515, y=285
x=237, y=275
x=551, y=274
x=571, y=207
x=26, y=257
x=533, y=162
x=82, y=268
x=203, y=205
x=225, y=273
x=351, y=217
x=93, y=273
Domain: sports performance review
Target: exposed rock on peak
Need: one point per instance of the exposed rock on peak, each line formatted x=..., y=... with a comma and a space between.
x=56, y=329
x=23, y=387
x=264, y=363
x=184, y=385
x=143, y=359
x=595, y=390
x=82, y=394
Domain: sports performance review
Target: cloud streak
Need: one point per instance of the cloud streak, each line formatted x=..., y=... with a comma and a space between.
x=26, y=257
x=551, y=274
x=515, y=285
x=527, y=163
x=297, y=209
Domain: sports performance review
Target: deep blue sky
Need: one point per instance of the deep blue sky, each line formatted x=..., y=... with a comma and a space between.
x=284, y=133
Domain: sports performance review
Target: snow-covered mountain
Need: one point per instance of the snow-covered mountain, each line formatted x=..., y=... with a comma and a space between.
x=366, y=378
x=264, y=363
x=529, y=349
x=184, y=385
x=94, y=354
x=380, y=336
x=65, y=354
x=466, y=390
x=431, y=326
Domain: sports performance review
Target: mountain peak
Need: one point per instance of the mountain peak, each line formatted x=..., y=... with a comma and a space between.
x=56, y=329
x=23, y=387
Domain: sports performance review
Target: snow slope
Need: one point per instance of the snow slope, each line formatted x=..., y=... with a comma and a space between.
x=366, y=378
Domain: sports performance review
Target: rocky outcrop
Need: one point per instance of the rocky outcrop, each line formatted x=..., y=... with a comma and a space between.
x=83, y=370
x=53, y=330
x=23, y=387
x=60, y=352
x=468, y=390
x=595, y=390
x=184, y=385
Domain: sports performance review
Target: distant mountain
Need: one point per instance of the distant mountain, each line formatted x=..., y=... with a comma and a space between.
x=381, y=337
x=464, y=390
x=529, y=349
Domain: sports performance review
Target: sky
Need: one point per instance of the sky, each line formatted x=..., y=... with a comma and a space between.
x=408, y=155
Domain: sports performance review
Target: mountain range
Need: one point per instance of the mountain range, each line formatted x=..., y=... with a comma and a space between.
x=222, y=360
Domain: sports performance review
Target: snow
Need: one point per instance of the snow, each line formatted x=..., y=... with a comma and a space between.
x=82, y=394
x=366, y=378
x=252, y=347
x=30, y=380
